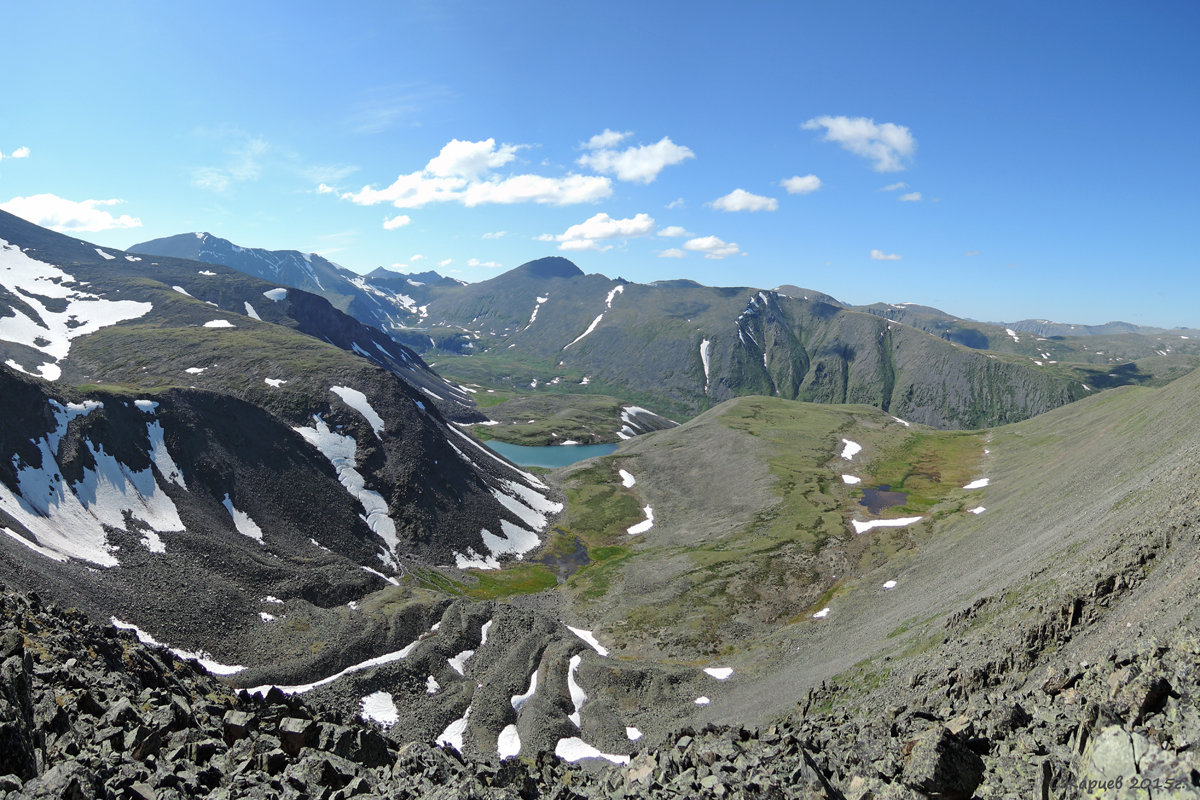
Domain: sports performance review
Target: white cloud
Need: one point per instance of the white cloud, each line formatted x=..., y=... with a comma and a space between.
x=415, y=257
x=672, y=252
x=879, y=255
x=445, y=262
x=60, y=214
x=471, y=160
x=245, y=164
x=414, y=190
x=894, y=187
x=324, y=189
x=676, y=203
x=639, y=164
x=459, y=174
x=589, y=234
x=887, y=144
x=674, y=231
x=797, y=184
x=971, y=253
x=606, y=140
x=495, y=235
x=911, y=197
x=712, y=247
x=568, y=190
x=475, y=262
x=741, y=200
x=20, y=152
x=398, y=221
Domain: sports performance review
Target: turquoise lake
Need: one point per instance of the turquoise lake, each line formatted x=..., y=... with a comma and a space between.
x=552, y=456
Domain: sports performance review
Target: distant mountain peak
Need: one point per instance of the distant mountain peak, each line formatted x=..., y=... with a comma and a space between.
x=549, y=267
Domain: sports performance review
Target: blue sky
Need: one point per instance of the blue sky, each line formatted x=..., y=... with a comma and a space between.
x=999, y=161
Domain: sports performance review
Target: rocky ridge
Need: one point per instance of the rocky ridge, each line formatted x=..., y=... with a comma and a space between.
x=994, y=710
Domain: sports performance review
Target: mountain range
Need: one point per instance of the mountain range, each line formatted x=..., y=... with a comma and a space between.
x=925, y=557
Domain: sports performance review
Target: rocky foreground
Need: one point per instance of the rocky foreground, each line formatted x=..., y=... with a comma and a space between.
x=88, y=711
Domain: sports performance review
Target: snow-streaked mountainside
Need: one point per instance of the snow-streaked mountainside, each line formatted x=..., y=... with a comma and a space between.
x=682, y=347
x=278, y=453
x=389, y=301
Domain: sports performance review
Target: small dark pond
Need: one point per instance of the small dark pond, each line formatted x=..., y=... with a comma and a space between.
x=880, y=498
x=566, y=564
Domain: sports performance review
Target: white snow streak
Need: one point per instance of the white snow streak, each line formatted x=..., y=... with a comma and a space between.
x=578, y=696
x=977, y=484
x=250, y=312
x=202, y=657
x=863, y=527
x=588, y=637
x=340, y=450
x=519, y=700
x=590, y=328
x=358, y=401
x=704, y=349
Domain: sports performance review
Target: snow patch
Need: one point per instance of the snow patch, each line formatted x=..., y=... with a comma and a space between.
x=245, y=525
x=453, y=735
x=182, y=290
x=851, y=449
x=574, y=749
x=459, y=662
x=720, y=673
x=250, y=312
x=51, y=332
x=627, y=480
x=978, y=510
x=822, y=614
x=863, y=527
x=702, y=701
x=106, y=256
x=704, y=350
x=276, y=294
x=632, y=733
x=431, y=685
x=618, y=290
x=381, y=708
x=977, y=484
x=508, y=743
x=851, y=479
x=645, y=524
x=889, y=585
x=219, y=323
x=274, y=382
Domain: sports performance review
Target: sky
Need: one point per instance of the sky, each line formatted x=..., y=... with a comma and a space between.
x=999, y=161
